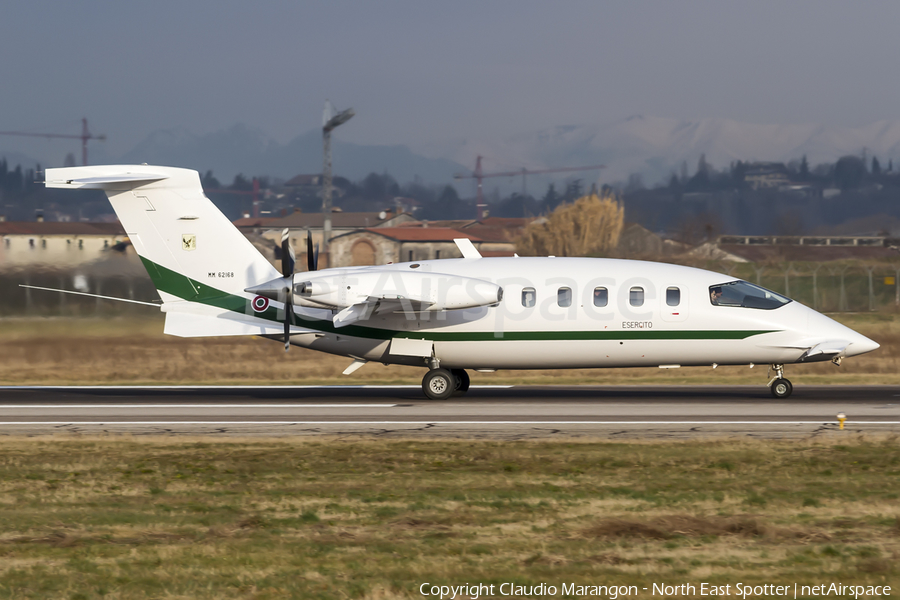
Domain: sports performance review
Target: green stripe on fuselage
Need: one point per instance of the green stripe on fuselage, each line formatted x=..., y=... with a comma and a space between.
x=176, y=284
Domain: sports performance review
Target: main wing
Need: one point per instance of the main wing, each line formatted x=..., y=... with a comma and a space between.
x=362, y=311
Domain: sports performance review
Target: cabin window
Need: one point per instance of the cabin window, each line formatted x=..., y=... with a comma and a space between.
x=528, y=297
x=601, y=296
x=673, y=296
x=636, y=296
x=745, y=295
x=564, y=296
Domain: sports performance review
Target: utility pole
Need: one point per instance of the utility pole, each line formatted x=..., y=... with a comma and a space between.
x=329, y=122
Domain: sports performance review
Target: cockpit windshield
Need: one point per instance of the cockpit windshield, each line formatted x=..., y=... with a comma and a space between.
x=746, y=295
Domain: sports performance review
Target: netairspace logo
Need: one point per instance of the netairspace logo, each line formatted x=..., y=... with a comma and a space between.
x=474, y=591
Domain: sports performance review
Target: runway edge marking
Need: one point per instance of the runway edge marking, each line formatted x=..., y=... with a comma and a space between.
x=2, y=423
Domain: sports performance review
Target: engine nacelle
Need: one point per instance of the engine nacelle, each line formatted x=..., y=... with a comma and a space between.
x=428, y=291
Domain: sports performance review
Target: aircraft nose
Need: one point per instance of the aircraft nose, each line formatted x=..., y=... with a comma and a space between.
x=860, y=345
x=822, y=327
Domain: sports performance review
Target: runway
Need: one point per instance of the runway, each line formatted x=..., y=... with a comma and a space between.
x=501, y=412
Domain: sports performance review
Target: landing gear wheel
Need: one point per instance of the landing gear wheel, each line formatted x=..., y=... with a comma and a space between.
x=781, y=388
x=462, y=380
x=439, y=384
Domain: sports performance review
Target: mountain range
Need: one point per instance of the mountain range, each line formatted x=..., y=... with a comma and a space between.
x=250, y=152
x=655, y=147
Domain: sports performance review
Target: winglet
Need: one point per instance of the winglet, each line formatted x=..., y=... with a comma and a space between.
x=467, y=248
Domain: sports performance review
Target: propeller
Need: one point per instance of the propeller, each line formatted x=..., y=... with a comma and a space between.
x=287, y=269
x=312, y=258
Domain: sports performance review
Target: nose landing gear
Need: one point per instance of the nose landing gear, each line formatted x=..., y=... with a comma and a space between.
x=778, y=385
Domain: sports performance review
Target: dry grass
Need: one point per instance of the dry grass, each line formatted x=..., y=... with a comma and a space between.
x=670, y=526
x=135, y=351
x=325, y=518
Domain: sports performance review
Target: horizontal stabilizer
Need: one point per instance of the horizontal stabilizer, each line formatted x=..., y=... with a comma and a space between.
x=102, y=181
x=188, y=319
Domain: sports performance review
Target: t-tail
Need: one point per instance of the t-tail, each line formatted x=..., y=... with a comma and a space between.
x=198, y=260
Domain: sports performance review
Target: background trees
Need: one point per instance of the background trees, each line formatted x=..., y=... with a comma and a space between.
x=849, y=172
x=589, y=227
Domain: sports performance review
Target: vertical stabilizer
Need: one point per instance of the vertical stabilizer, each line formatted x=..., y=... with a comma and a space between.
x=190, y=249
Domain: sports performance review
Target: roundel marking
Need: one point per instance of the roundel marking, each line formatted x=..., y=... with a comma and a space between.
x=260, y=303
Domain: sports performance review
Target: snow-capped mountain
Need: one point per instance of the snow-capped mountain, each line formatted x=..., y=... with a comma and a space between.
x=656, y=147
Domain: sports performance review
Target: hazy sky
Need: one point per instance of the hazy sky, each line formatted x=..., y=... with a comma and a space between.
x=421, y=72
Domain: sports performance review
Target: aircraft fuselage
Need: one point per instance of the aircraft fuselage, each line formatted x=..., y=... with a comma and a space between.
x=563, y=313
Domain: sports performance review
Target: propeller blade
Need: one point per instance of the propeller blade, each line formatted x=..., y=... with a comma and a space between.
x=312, y=259
x=287, y=325
x=287, y=269
x=288, y=312
x=287, y=254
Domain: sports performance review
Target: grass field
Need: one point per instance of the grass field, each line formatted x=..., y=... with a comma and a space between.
x=121, y=517
x=374, y=519
x=135, y=351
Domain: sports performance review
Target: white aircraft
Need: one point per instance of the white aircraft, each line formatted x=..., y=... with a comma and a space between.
x=453, y=314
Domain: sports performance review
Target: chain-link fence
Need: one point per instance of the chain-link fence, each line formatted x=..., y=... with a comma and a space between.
x=846, y=286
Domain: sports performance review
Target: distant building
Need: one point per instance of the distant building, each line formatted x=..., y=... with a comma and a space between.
x=375, y=246
x=310, y=186
x=305, y=181
x=407, y=205
x=800, y=248
x=298, y=223
x=765, y=175
x=499, y=228
x=637, y=241
x=66, y=244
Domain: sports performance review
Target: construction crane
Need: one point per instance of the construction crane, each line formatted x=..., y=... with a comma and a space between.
x=478, y=175
x=84, y=137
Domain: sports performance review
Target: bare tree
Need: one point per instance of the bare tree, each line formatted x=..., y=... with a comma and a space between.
x=590, y=226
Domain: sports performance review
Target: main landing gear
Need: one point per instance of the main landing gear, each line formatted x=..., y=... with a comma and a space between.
x=440, y=384
x=778, y=385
